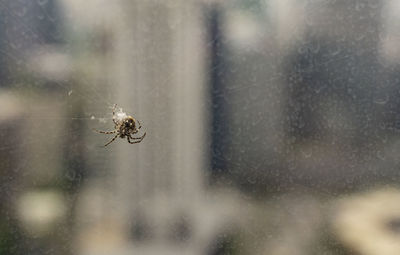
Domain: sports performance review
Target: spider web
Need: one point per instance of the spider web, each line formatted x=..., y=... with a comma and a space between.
x=43, y=63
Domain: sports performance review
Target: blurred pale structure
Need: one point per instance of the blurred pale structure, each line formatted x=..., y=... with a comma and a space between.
x=369, y=223
x=154, y=200
x=321, y=58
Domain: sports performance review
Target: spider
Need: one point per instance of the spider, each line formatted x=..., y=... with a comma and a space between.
x=125, y=126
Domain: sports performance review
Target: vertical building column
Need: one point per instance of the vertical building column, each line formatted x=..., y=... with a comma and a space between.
x=160, y=80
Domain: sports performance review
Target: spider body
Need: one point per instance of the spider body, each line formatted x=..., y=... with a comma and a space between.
x=125, y=127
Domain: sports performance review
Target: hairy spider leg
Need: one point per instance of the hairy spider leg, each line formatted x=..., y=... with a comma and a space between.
x=105, y=132
x=132, y=142
x=137, y=138
x=112, y=140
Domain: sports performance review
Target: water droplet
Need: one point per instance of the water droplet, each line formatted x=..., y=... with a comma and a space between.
x=70, y=175
x=315, y=47
x=22, y=11
x=336, y=51
x=360, y=37
x=69, y=92
x=380, y=155
x=307, y=152
x=381, y=99
x=359, y=6
x=301, y=49
x=15, y=45
x=251, y=179
x=92, y=117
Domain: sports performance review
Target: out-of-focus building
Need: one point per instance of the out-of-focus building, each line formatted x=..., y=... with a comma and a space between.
x=270, y=95
x=312, y=100
x=152, y=197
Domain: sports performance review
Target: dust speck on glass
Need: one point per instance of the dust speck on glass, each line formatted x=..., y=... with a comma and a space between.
x=273, y=127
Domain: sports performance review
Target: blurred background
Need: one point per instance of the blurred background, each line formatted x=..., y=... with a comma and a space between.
x=273, y=127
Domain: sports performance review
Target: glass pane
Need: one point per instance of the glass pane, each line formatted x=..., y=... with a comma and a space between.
x=199, y=127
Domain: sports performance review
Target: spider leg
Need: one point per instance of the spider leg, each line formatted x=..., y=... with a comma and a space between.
x=112, y=140
x=132, y=142
x=105, y=132
x=137, y=138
